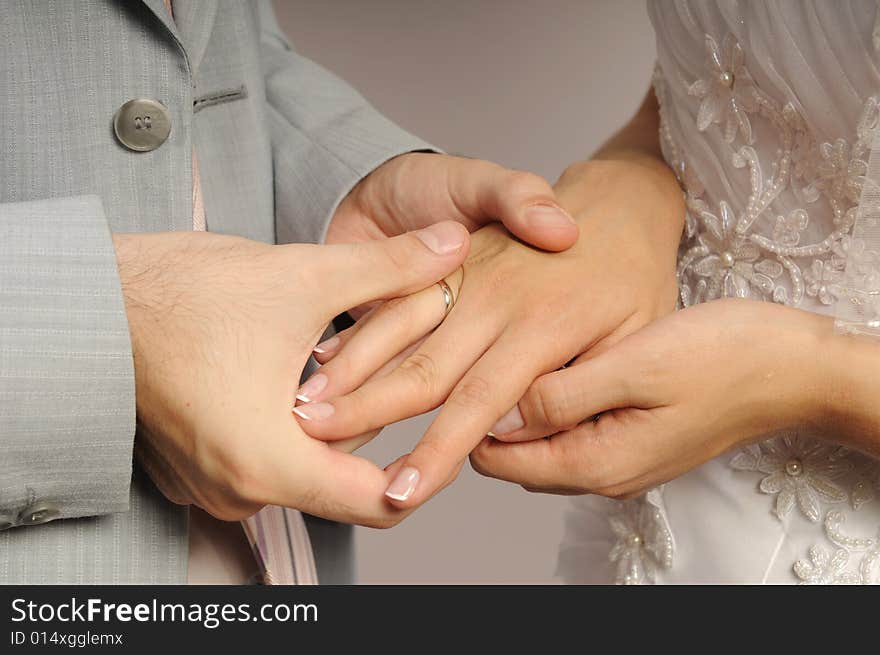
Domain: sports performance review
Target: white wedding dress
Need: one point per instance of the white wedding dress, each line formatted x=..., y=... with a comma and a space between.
x=769, y=110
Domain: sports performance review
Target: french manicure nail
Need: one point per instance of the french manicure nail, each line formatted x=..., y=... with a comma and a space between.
x=548, y=216
x=312, y=387
x=404, y=484
x=442, y=238
x=510, y=422
x=314, y=411
x=327, y=346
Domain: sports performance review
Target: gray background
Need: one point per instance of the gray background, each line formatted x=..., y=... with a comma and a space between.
x=529, y=84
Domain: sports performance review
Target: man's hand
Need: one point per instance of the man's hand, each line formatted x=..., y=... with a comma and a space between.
x=417, y=189
x=221, y=330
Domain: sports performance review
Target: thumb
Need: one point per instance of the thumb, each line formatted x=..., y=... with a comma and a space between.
x=356, y=273
x=524, y=202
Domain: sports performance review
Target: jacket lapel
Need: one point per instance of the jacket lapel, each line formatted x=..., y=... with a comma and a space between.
x=158, y=8
x=195, y=20
x=191, y=25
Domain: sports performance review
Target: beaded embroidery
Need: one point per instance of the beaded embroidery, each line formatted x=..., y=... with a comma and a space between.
x=644, y=542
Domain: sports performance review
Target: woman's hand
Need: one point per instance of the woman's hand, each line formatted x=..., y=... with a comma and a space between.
x=519, y=313
x=668, y=398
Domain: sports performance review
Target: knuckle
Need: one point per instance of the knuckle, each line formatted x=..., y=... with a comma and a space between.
x=548, y=400
x=431, y=449
x=474, y=392
x=423, y=371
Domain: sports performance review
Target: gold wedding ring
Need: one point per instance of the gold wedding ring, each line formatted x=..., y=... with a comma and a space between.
x=448, y=298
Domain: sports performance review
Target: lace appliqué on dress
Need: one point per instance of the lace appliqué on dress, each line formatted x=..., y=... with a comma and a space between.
x=858, y=303
x=643, y=540
x=754, y=251
x=823, y=568
x=798, y=471
x=726, y=94
x=858, y=295
x=856, y=560
x=813, y=475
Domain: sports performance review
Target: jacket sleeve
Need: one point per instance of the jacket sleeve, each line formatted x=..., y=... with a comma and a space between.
x=325, y=136
x=67, y=402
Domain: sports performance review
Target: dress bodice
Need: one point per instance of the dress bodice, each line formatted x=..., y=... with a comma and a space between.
x=768, y=112
x=768, y=115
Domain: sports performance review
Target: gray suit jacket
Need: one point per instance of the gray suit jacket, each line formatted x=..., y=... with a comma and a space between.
x=280, y=141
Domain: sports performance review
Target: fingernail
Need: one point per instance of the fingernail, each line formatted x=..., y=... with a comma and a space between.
x=510, y=422
x=327, y=346
x=404, y=484
x=442, y=238
x=312, y=387
x=314, y=411
x=548, y=216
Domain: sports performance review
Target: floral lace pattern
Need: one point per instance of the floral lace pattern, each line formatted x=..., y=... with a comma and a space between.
x=816, y=476
x=726, y=94
x=766, y=250
x=823, y=568
x=756, y=252
x=864, y=552
x=798, y=471
x=644, y=543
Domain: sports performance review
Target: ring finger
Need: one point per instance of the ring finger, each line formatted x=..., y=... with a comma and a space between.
x=419, y=384
x=389, y=330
